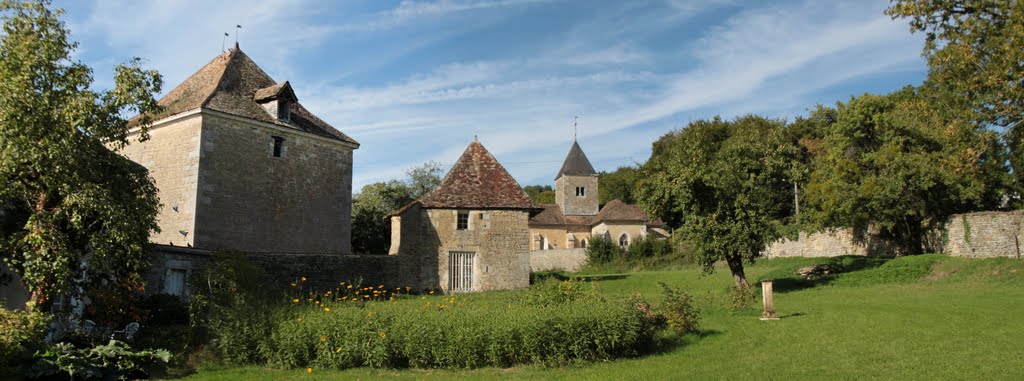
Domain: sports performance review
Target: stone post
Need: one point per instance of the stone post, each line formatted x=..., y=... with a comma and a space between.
x=769, y=302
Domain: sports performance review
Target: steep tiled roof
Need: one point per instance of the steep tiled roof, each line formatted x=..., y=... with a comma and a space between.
x=616, y=210
x=478, y=181
x=229, y=83
x=551, y=215
x=576, y=163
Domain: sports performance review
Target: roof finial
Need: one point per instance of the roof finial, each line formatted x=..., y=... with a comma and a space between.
x=237, y=27
x=223, y=43
x=574, y=129
x=475, y=140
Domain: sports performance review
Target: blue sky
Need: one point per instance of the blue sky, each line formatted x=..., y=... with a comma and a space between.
x=414, y=81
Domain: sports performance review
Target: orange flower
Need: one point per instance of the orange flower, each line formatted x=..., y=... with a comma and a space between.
x=382, y=334
x=323, y=338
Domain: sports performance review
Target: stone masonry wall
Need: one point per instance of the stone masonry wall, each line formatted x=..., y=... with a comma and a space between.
x=251, y=201
x=573, y=205
x=172, y=157
x=984, y=234
x=830, y=243
x=322, y=271
x=500, y=239
x=564, y=259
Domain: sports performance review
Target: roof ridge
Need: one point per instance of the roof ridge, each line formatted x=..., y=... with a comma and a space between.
x=220, y=79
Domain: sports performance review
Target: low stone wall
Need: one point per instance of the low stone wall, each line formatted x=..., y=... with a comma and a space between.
x=322, y=271
x=829, y=243
x=562, y=259
x=984, y=235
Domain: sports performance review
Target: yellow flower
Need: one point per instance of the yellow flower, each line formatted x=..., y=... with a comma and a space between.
x=369, y=314
x=327, y=309
x=323, y=338
x=304, y=279
x=337, y=350
x=392, y=298
x=293, y=284
x=381, y=286
x=295, y=300
x=309, y=370
x=349, y=286
x=423, y=297
x=431, y=292
x=341, y=284
x=382, y=334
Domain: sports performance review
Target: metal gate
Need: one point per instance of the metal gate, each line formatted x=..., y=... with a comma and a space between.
x=460, y=271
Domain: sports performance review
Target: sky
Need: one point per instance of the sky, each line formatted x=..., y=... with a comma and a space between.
x=415, y=81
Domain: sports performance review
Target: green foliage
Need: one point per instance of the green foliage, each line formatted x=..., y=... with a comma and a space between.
x=371, y=232
x=115, y=360
x=602, y=250
x=553, y=292
x=679, y=310
x=22, y=332
x=741, y=298
x=726, y=185
x=904, y=162
x=973, y=51
x=618, y=185
x=73, y=198
x=446, y=334
x=230, y=309
x=541, y=194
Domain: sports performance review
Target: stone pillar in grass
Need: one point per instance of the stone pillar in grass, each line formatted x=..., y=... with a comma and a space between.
x=769, y=302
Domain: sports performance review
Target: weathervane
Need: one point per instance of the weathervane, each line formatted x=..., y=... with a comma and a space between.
x=237, y=27
x=574, y=129
x=223, y=43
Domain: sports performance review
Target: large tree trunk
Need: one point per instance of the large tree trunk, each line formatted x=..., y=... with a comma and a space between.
x=736, y=267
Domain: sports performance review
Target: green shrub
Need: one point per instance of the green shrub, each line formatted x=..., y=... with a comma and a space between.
x=164, y=309
x=22, y=333
x=553, y=292
x=231, y=310
x=679, y=311
x=601, y=250
x=446, y=333
x=741, y=298
x=114, y=360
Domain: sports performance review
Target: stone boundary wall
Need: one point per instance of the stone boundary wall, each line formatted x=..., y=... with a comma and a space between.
x=984, y=235
x=829, y=243
x=972, y=235
x=322, y=271
x=561, y=259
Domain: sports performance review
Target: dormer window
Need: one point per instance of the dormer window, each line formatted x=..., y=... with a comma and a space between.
x=277, y=100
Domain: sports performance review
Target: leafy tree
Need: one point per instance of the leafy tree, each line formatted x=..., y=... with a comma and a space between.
x=726, y=185
x=619, y=185
x=906, y=161
x=371, y=233
x=75, y=212
x=541, y=194
x=974, y=50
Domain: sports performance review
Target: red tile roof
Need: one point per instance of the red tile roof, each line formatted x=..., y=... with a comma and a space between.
x=478, y=181
x=616, y=210
x=229, y=83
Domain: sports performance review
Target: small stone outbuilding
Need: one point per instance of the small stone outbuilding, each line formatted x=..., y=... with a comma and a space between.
x=471, y=233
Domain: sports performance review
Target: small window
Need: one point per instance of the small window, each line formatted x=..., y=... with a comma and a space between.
x=623, y=240
x=462, y=221
x=278, y=146
x=284, y=111
x=174, y=283
x=583, y=244
x=581, y=191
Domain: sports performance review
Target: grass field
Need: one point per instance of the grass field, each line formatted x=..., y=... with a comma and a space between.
x=924, y=317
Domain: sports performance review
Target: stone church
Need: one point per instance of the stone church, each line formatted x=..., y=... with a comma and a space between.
x=470, y=233
x=241, y=164
x=576, y=216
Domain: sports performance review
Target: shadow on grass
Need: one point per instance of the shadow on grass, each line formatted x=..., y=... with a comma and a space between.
x=669, y=343
x=598, y=278
x=788, y=279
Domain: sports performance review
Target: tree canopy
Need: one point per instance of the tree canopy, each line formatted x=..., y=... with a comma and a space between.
x=618, y=185
x=974, y=51
x=725, y=185
x=371, y=233
x=75, y=212
x=904, y=161
x=541, y=194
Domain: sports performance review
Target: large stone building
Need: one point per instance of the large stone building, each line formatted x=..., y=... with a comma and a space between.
x=471, y=233
x=241, y=164
x=576, y=216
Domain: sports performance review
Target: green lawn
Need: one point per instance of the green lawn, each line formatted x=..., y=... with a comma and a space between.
x=959, y=319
